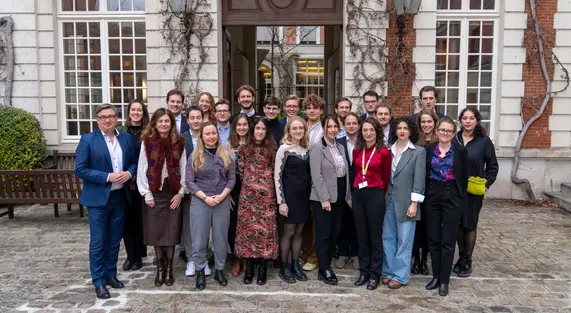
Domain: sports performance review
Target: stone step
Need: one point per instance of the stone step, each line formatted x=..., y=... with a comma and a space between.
x=566, y=188
x=561, y=198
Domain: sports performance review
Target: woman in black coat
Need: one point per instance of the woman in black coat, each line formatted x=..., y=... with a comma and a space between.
x=446, y=184
x=482, y=163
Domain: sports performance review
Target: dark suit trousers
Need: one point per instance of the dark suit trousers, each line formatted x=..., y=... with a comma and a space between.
x=133, y=231
x=443, y=213
x=347, y=244
x=106, y=230
x=328, y=225
x=369, y=213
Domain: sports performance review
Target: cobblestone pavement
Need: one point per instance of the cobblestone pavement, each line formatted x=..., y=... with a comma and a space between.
x=522, y=263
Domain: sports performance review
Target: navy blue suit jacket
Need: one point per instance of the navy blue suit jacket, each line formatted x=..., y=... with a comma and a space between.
x=93, y=165
x=184, y=127
x=188, y=146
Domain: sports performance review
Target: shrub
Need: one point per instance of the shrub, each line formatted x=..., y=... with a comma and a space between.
x=22, y=142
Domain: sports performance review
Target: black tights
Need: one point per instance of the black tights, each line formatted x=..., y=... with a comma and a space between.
x=164, y=252
x=466, y=239
x=291, y=241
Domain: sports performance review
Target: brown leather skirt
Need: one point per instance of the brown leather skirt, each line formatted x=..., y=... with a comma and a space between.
x=161, y=225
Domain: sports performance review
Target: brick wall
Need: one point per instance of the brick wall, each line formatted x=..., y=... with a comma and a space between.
x=538, y=135
x=399, y=94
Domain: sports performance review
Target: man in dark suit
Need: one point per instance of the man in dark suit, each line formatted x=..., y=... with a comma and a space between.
x=370, y=100
x=383, y=114
x=347, y=244
x=106, y=162
x=246, y=96
x=175, y=100
x=428, y=96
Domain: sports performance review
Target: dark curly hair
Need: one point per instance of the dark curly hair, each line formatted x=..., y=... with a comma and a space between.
x=479, y=130
x=413, y=130
x=380, y=141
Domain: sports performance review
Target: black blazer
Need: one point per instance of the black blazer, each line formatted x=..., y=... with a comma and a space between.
x=343, y=141
x=461, y=166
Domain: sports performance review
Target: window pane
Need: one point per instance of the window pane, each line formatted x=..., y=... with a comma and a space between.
x=81, y=29
x=454, y=45
x=486, y=112
x=454, y=62
x=72, y=128
x=140, y=63
x=308, y=34
x=487, y=45
x=441, y=29
x=114, y=46
x=485, y=95
x=94, y=29
x=95, y=79
x=83, y=95
x=440, y=62
x=113, y=5
x=440, y=79
x=453, y=79
x=115, y=79
x=441, y=45
x=441, y=98
x=95, y=46
x=67, y=5
x=81, y=46
x=442, y=5
x=474, y=45
x=126, y=5
x=475, y=5
x=474, y=29
x=82, y=63
x=486, y=79
x=70, y=79
x=95, y=63
x=486, y=62
x=472, y=95
x=93, y=5
x=83, y=111
x=83, y=79
x=455, y=4
x=71, y=112
x=127, y=45
x=84, y=127
x=454, y=29
x=128, y=94
x=80, y=5
x=113, y=29
x=116, y=95
x=473, y=79
x=452, y=111
x=69, y=63
x=140, y=29
x=127, y=29
x=139, y=5
x=141, y=79
x=68, y=30
x=128, y=79
x=452, y=96
x=115, y=63
x=127, y=63
x=473, y=62
x=488, y=29
x=69, y=46
x=140, y=45
x=489, y=4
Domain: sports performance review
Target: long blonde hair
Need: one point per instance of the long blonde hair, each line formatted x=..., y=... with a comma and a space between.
x=198, y=154
x=210, y=114
x=287, y=139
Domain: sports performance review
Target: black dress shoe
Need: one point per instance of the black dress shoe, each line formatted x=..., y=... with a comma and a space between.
x=443, y=290
x=114, y=282
x=262, y=273
x=373, y=284
x=433, y=284
x=200, y=280
x=423, y=268
x=286, y=273
x=220, y=278
x=182, y=256
x=249, y=272
x=102, y=292
x=465, y=269
x=137, y=265
x=128, y=265
x=415, y=270
x=458, y=265
x=297, y=270
x=327, y=276
x=363, y=279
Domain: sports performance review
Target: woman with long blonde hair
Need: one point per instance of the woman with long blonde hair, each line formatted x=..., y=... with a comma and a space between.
x=161, y=181
x=205, y=101
x=210, y=179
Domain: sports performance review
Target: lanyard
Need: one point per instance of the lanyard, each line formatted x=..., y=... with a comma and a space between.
x=365, y=167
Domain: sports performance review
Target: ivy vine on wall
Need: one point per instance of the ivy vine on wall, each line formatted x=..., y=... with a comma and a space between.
x=7, y=57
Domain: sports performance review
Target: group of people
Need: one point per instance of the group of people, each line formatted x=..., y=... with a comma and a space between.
x=377, y=191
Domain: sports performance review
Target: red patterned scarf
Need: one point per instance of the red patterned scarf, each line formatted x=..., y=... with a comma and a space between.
x=158, y=150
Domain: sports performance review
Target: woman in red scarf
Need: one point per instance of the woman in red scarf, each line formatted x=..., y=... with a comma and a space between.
x=162, y=183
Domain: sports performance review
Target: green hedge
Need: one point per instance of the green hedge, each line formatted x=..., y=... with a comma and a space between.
x=22, y=142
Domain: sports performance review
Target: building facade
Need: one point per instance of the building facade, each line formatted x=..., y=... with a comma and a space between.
x=71, y=55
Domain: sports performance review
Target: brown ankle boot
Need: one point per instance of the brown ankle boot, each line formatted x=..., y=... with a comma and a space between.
x=169, y=279
x=160, y=278
x=236, y=268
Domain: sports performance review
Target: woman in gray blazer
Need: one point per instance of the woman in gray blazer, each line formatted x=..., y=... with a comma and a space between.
x=330, y=190
x=406, y=191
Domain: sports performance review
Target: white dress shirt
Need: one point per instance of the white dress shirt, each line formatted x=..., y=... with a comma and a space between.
x=178, y=122
x=386, y=133
x=143, y=182
x=415, y=197
x=116, y=154
x=350, y=148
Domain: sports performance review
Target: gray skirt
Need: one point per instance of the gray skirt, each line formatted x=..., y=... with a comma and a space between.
x=161, y=225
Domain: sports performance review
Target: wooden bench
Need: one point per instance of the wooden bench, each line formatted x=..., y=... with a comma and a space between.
x=63, y=160
x=39, y=186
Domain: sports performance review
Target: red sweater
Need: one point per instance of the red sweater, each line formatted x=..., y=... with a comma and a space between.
x=379, y=171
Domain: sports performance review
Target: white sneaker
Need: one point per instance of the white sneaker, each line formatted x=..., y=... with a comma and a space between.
x=190, y=270
x=207, y=271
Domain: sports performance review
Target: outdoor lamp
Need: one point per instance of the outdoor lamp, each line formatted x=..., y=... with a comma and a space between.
x=179, y=6
x=406, y=6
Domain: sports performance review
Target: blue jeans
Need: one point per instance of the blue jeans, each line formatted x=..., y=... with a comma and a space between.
x=106, y=231
x=398, y=238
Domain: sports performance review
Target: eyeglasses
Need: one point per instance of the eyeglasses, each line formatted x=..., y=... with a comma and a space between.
x=106, y=117
x=272, y=109
x=370, y=101
x=223, y=111
x=445, y=131
x=291, y=106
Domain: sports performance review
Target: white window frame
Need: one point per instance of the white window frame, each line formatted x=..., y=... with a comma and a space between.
x=307, y=85
x=317, y=35
x=103, y=17
x=465, y=16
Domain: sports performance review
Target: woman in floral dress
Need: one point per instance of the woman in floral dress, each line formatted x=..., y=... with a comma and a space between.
x=256, y=233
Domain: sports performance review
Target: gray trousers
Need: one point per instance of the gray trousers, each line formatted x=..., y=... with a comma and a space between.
x=186, y=241
x=202, y=218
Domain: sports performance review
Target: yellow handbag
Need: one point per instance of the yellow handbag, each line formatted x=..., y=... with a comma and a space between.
x=477, y=185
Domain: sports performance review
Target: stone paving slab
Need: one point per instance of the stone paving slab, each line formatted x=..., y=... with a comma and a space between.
x=522, y=263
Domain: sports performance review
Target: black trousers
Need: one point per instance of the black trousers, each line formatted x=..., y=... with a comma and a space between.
x=235, y=194
x=133, y=229
x=328, y=225
x=420, y=235
x=443, y=213
x=347, y=243
x=369, y=213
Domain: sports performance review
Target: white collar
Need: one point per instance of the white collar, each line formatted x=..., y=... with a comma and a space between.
x=179, y=117
x=105, y=135
x=409, y=145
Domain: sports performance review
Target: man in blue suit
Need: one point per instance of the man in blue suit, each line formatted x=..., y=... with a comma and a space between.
x=106, y=162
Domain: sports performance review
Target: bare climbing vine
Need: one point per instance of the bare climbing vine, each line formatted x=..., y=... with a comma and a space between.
x=538, y=102
x=7, y=57
x=376, y=62
x=185, y=34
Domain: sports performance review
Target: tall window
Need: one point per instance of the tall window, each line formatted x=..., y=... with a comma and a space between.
x=268, y=80
x=309, y=78
x=104, y=59
x=266, y=34
x=466, y=45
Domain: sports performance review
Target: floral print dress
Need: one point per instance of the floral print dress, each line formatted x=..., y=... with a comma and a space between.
x=256, y=230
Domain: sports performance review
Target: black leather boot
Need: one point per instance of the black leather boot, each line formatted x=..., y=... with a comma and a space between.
x=466, y=268
x=249, y=273
x=160, y=277
x=297, y=270
x=286, y=273
x=200, y=280
x=423, y=266
x=169, y=279
x=262, y=273
x=220, y=278
x=458, y=263
x=415, y=265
